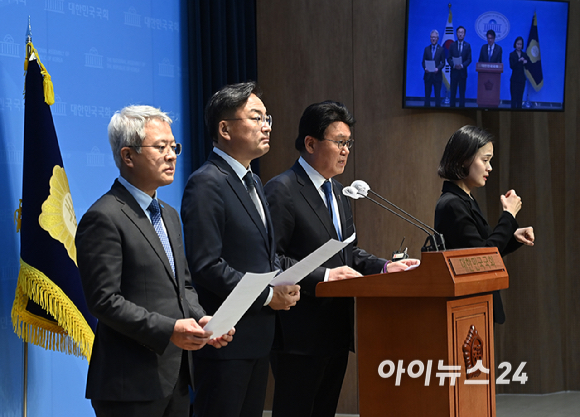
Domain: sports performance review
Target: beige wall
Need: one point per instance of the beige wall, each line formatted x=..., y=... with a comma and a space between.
x=352, y=51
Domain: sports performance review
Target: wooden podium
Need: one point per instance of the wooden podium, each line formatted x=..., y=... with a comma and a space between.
x=410, y=321
x=488, y=83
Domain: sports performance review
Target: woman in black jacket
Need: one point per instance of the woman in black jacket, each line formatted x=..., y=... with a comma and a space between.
x=466, y=166
x=518, y=61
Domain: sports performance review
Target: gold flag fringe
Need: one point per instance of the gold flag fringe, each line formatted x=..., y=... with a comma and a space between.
x=46, y=79
x=70, y=334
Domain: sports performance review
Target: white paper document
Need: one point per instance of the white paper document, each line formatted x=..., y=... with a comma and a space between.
x=430, y=65
x=238, y=302
x=457, y=61
x=298, y=271
x=251, y=285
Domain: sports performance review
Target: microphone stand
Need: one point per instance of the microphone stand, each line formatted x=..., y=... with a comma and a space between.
x=434, y=242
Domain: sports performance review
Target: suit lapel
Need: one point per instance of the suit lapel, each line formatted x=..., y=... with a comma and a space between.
x=312, y=197
x=240, y=190
x=137, y=216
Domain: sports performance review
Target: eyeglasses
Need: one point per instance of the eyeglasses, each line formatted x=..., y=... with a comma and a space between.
x=260, y=120
x=163, y=149
x=342, y=143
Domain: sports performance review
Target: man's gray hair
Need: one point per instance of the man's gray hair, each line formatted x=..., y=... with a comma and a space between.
x=434, y=31
x=127, y=128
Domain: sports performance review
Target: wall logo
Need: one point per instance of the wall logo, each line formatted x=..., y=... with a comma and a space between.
x=93, y=59
x=166, y=69
x=95, y=158
x=132, y=18
x=59, y=106
x=494, y=21
x=54, y=6
x=11, y=156
x=9, y=48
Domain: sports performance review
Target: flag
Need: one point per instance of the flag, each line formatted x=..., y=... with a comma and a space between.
x=49, y=307
x=447, y=40
x=534, y=68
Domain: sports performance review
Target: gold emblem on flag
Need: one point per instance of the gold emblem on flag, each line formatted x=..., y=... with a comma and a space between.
x=58, y=217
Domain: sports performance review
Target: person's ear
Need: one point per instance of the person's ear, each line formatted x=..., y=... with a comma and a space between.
x=223, y=130
x=310, y=143
x=126, y=156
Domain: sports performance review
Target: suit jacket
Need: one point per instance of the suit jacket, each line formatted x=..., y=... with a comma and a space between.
x=518, y=74
x=130, y=288
x=465, y=57
x=459, y=218
x=439, y=59
x=302, y=223
x=495, y=55
x=225, y=238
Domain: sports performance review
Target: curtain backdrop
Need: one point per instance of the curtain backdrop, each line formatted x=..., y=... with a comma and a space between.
x=222, y=50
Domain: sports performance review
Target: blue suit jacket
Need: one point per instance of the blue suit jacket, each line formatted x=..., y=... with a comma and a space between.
x=315, y=326
x=225, y=238
x=465, y=57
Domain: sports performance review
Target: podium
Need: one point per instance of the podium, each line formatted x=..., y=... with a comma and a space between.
x=488, y=83
x=420, y=334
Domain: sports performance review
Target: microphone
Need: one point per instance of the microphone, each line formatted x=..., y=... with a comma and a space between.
x=360, y=189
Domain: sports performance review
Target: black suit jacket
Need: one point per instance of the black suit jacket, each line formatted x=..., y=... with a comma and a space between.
x=459, y=218
x=518, y=74
x=130, y=289
x=302, y=223
x=465, y=57
x=439, y=63
x=225, y=238
x=495, y=55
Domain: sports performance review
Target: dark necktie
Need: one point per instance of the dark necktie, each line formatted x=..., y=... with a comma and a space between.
x=327, y=188
x=460, y=47
x=156, y=220
x=433, y=52
x=251, y=187
x=489, y=54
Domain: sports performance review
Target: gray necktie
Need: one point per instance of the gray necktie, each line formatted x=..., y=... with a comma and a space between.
x=251, y=187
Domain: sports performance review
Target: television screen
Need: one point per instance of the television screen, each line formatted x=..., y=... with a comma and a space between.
x=486, y=54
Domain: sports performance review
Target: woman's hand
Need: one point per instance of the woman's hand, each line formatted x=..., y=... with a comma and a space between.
x=525, y=235
x=511, y=202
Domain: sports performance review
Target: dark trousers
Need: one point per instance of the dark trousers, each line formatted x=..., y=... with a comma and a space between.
x=517, y=93
x=230, y=388
x=429, y=84
x=176, y=405
x=307, y=386
x=460, y=82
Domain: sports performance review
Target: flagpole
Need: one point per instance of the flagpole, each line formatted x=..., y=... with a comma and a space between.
x=25, y=383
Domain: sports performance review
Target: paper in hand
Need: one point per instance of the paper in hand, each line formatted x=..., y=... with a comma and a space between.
x=298, y=271
x=238, y=302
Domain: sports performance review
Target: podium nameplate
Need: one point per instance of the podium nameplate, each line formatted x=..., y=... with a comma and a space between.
x=475, y=264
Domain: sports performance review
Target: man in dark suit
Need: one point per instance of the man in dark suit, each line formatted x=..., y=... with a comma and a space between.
x=314, y=338
x=228, y=232
x=459, y=49
x=434, y=52
x=136, y=280
x=491, y=51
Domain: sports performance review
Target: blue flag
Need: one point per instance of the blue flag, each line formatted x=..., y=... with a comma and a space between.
x=534, y=68
x=49, y=307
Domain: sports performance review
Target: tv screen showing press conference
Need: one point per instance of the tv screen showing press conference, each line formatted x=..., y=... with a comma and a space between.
x=486, y=54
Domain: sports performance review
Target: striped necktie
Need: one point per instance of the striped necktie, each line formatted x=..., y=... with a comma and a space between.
x=155, y=211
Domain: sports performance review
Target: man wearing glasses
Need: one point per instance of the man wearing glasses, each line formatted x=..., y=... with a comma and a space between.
x=308, y=208
x=136, y=280
x=228, y=232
